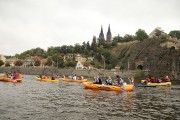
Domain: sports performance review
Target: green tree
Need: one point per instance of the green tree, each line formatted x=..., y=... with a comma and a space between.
x=1, y=63
x=70, y=64
x=88, y=46
x=101, y=41
x=113, y=61
x=164, y=36
x=7, y=64
x=107, y=45
x=52, y=50
x=49, y=61
x=128, y=38
x=77, y=48
x=17, y=55
x=141, y=35
x=37, y=63
x=19, y=63
x=98, y=65
x=33, y=52
x=94, y=44
x=175, y=33
x=84, y=46
x=58, y=60
x=117, y=39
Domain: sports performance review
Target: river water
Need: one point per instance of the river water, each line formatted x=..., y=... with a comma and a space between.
x=34, y=100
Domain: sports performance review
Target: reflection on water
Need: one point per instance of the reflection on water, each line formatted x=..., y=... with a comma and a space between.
x=70, y=101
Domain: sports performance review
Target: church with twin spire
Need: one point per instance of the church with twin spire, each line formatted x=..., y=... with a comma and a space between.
x=108, y=35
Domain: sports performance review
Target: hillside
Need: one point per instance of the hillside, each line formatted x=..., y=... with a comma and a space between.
x=149, y=55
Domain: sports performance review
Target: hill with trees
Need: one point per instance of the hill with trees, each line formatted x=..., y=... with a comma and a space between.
x=129, y=52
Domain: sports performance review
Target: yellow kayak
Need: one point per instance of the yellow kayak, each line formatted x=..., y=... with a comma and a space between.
x=102, y=87
x=46, y=80
x=160, y=84
x=3, y=79
x=70, y=80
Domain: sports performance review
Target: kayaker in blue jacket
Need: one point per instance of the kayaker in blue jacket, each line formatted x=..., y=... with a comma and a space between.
x=109, y=81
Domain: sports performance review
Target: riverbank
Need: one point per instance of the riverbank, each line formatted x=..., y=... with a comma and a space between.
x=50, y=71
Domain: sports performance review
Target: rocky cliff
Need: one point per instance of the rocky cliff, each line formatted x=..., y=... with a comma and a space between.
x=150, y=56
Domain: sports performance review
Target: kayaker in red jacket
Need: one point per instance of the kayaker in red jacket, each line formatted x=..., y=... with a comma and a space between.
x=167, y=79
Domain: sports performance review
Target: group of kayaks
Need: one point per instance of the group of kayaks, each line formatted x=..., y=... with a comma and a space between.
x=90, y=85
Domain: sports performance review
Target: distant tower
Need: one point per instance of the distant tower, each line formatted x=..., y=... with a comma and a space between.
x=101, y=35
x=108, y=35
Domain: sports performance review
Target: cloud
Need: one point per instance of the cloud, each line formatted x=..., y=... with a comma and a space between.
x=29, y=24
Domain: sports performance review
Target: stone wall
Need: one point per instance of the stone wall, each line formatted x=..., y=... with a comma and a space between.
x=67, y=72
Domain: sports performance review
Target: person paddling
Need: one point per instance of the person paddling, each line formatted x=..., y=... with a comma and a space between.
x=6, y=74
x=97, y=80
x=167, y=79
x=15, y=76
x=109, y=81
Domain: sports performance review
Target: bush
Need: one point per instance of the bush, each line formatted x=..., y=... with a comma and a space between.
x=18, y=63
x=1, y=63
x=139, y=75
x=7, y=64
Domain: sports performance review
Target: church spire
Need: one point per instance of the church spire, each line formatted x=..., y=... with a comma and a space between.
x=108, y=35
x=101, y=35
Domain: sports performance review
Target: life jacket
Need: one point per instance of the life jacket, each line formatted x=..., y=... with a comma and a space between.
x=148, y=80
x=132, y=81
x=53, y=78
x=167, y=79
x=100, y=81
x=16, y=76
x=43, y=77
x=154, y=80
x=97, y=80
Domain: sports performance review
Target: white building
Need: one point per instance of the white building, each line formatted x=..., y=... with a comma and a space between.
x=79, y=65
x=69, y=56
x=2, y=58
x=27, y=62
x=153, y=34
x=11, y=61
x=80, y=58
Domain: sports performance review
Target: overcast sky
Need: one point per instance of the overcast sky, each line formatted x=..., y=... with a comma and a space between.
x=27, y=24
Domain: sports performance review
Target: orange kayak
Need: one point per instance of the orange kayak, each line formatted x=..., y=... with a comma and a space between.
x=3, y=79
x=46, y=80
x=102, y=87
x=128, y=87
x=70, y=80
